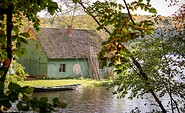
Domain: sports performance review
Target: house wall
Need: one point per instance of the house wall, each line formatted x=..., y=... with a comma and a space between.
x=37, y=64
x=35, y=61
x=54, y=65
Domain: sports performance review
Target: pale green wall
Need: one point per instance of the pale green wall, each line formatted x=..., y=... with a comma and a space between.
x=53, y=68
x=35, y=61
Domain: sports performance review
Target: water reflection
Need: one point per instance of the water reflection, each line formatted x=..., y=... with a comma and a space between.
x=95, y=100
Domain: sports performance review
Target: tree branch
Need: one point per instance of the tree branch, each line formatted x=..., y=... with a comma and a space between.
x=129, y=12
x=9, y=25
x=86, y=10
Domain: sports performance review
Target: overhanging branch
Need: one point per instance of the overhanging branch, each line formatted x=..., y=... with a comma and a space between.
x=129, y=12
x=86, y=10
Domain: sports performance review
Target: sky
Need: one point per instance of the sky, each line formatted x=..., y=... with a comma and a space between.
x=162, y=8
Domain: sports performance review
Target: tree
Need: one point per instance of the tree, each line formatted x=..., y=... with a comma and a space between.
x=179, y=15
x=165, y=70
x=117, y=50
x=12, y=13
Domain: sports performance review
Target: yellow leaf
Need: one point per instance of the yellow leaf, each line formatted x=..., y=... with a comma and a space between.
x=124, y=31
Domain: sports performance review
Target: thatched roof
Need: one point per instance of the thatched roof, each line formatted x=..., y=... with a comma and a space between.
x=58, y=44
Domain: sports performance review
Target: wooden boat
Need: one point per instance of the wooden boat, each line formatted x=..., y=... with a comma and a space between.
x=57, y=88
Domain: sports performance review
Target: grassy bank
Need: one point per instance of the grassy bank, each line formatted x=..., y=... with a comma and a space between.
x=62, y=82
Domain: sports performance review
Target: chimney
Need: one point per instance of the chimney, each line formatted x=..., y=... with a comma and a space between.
x=69, y=30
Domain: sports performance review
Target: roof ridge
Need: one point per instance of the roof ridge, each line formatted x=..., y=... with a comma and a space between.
x=66, y=28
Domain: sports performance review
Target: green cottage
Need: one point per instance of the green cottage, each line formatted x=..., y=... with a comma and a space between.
x=62, y=53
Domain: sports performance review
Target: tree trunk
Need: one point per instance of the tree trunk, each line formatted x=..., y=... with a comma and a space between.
x=9, y=25
x=144, y=77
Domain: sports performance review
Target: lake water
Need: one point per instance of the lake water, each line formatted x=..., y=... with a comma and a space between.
x=98, y=100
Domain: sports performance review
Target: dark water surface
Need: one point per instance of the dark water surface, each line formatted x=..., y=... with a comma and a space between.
x=95, y=100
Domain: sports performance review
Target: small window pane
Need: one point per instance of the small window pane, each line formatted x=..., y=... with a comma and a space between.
x=62, y=68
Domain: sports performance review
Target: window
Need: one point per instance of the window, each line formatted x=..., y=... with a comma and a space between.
x=62, y=68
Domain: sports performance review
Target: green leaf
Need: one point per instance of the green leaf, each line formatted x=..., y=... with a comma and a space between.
x=51, y=10
x=153, y=10
x=52, y=7
x=1, y=17
x=23, y=40
x=20, y=106
x=14, y=87
x=28, y=90
x=15, y=37
x=18, y=45
x=140, y=0
x=2, y=70
x=75, y=1
x=16, y=29
x=43, y=99
x=25, y=34
x=25, y=98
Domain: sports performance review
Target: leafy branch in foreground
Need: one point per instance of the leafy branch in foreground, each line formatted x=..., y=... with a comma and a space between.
x=12, y=13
